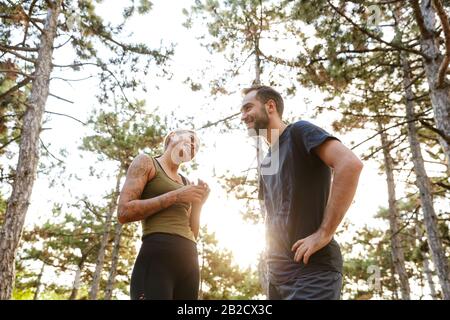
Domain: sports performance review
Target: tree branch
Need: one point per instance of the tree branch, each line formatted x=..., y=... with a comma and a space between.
x=22, y=83
x=71, y=80
x=18, y=48
x=17, y=72
x=386, y=129
x=66, y=115
x=14, y=17
x=28, y=17
x=30, y=11
x=9, y=142
x=48, y=151
x=436, y=130
x=102, y=67
x=366, y=157
x=18, y=55
x=374, y=36
x=60, y=98
x=419, y=19
x=211, y=124
x=442, y=14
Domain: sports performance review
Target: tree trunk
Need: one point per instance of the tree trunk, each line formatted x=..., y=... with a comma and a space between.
x=38, y=283
x=104, y=241
x=425, y=264
x=398, y=258
x=76, y=282
x=439, y=95
x=114, y=261
x=28, y=155
x=446, y=148
x=424, y=186
x=393, y=281
x=257, y=80
x=429, y=274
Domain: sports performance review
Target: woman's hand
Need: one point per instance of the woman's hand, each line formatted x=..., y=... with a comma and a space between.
x=190, y=194
x=206, y=188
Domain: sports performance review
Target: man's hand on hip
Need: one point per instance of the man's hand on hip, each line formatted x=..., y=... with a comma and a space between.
x=306, y=247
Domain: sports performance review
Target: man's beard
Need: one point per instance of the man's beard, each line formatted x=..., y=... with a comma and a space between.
x=261, y=121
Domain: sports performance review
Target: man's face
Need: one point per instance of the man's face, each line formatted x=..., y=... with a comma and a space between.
x=184, y=146
x=254, y=113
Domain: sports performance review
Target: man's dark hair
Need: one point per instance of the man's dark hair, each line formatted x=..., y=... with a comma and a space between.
x=264, y=94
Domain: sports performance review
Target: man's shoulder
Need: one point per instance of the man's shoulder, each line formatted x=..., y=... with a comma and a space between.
x=307, y=129
x=302, y=125
x=300, y=128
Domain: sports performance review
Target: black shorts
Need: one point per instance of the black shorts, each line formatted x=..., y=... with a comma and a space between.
x=317, y=285
x=165, y=269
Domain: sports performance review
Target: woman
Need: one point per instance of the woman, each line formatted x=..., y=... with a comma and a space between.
x=169, y=208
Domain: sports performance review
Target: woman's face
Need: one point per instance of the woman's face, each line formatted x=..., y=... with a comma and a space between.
x=185, y=146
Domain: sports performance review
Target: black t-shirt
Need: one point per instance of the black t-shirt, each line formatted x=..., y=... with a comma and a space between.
x=295, y=194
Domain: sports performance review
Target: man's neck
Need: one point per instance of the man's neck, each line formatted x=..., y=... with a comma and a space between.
x=274, y=131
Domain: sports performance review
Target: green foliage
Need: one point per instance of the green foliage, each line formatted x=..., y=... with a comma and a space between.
x=123, y=132
x=221, y=278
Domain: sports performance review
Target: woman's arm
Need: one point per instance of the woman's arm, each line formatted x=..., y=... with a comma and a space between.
x=196, y=210
x=131, y=208
x=195, y=219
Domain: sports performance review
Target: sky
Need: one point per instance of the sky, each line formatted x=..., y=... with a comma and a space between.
x=220, y=152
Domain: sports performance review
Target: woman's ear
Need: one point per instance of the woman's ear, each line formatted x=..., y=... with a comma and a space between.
x=170, y=137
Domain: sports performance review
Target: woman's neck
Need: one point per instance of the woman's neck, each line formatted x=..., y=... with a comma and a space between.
x=169, y=164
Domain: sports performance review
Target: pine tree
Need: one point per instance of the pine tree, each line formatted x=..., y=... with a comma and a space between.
x=88, y=30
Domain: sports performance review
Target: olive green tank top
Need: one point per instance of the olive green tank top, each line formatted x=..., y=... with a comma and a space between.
x=174, y=219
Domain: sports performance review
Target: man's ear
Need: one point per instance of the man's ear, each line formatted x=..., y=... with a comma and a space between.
x=271, y=106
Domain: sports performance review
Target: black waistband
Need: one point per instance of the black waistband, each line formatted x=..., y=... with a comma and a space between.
x=164, y=235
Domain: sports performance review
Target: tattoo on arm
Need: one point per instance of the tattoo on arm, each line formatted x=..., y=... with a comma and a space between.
x=163, y=203
x=131, y=207
x=136, y=179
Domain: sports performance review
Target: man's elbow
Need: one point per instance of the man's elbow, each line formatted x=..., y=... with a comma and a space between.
x=356, y=164
x=350, y=163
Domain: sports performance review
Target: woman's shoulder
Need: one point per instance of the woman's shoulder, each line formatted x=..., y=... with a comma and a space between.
x=144, y=158
x=145, y=163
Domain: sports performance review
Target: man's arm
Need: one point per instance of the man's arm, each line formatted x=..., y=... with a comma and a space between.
x=347, y=168
x=132, y=209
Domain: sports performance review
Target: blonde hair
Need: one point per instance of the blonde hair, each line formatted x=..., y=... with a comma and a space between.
x=176, y=132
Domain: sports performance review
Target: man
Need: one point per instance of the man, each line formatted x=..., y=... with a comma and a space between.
x=303, y=212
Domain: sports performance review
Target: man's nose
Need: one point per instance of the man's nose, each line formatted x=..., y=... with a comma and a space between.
x=243, y=116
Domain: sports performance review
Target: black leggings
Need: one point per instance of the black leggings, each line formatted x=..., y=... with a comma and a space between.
x=165, y=269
